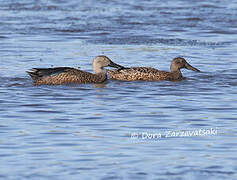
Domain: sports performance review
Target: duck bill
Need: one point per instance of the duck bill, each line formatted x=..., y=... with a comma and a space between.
x=112, y=64
x=188, y=66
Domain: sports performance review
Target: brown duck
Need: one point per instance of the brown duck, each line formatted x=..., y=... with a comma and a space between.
x=151, y=74
x=66, y=75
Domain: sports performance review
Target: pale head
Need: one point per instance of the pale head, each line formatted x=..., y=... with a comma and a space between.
x=179, y=63
x=100, y=62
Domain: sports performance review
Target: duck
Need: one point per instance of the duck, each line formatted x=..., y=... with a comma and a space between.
x=67, y=75
x=152, y=74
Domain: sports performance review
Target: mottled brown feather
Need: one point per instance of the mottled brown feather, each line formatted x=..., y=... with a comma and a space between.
x=66, y=75
x=143, y=74
x=151, y=74
x=70, y=75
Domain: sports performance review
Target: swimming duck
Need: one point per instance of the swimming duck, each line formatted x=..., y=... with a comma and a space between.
x=65, y=75
x=151, y=74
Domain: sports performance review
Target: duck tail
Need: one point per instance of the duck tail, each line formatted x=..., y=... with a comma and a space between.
x=33, y=74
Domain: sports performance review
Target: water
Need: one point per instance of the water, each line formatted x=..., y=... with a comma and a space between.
x=101, y=131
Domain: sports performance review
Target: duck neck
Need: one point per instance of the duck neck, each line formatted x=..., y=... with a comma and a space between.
x=100, y=77
x=176, y=74
x=174, y=68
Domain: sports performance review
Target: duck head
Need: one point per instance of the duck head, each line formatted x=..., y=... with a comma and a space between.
x=100, y=62
x=179, y=63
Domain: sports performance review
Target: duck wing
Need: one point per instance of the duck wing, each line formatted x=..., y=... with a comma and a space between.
x=64, y=75
x=142, y=70
x=139, y=73
x=36, y=73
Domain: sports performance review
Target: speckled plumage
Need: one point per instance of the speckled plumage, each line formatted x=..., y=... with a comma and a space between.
x=151, y=74
x=66, y=75
x=142, y=74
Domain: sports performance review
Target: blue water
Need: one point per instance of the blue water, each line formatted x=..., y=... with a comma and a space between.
x=100, y=131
